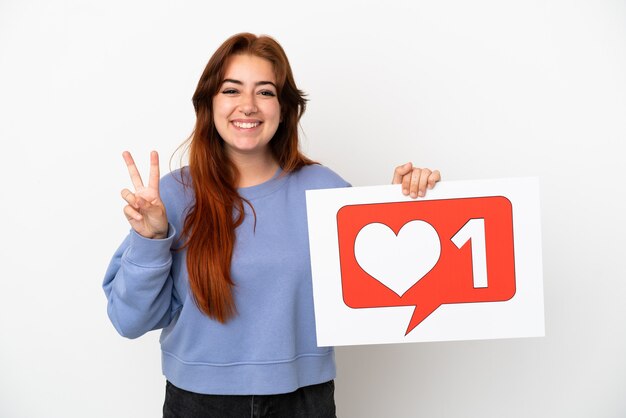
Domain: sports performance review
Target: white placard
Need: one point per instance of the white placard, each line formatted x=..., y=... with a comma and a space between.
x=463, y=263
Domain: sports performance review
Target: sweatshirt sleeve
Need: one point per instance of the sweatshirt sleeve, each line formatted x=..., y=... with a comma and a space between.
x=138, y=284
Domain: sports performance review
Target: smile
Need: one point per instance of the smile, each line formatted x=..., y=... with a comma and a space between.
x=246, y=125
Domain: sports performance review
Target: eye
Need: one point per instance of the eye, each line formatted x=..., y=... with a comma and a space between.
x=267, y=93
x=229, y=91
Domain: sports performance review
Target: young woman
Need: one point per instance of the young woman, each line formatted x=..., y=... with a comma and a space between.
x=218, y=254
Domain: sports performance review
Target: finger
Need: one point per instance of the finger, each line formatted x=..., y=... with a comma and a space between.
x=406, y=183
x=129, y=197
x=131, y=214
x=153, y=181
x=401, y=171
x=434, y=178
x=414, y=181
x=423, y=182
x=132, y=170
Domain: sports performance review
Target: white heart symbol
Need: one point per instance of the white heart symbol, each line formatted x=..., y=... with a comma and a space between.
x=398, y=262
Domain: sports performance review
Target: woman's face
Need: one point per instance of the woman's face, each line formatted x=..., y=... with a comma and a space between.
x=246, y=111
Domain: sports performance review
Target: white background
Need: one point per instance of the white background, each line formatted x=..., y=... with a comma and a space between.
x=478, y=89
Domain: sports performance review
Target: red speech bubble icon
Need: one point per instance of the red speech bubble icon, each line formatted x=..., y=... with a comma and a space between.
x=426, y=253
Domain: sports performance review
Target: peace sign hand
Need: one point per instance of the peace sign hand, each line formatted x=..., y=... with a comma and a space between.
x=145, y=210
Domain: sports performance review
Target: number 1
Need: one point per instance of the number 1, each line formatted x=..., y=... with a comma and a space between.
x=474, y=230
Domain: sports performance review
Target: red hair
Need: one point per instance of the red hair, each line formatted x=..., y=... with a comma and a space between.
x=209, y=227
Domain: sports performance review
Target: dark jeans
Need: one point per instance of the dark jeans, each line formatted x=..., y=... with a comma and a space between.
x=316, y=401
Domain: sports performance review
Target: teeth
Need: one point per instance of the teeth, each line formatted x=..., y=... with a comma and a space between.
x=246, y=125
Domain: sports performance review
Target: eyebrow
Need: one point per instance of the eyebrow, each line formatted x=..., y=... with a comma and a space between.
x=258, y=83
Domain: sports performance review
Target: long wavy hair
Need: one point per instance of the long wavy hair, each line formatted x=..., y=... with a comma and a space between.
x=209, y=227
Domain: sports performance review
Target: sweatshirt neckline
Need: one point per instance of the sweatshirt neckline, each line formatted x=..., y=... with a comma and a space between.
x=265, y=188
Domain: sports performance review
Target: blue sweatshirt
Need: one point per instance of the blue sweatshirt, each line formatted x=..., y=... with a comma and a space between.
x=270, y=346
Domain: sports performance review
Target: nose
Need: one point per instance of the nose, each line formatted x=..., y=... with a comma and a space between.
x=247, y=106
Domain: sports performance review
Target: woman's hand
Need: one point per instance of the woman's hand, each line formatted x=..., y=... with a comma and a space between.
x=415, y=180
x=145, y=210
